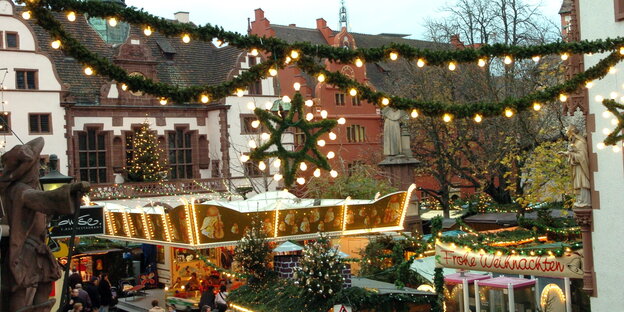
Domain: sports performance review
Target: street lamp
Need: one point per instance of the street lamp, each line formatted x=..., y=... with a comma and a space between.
x=51, y=181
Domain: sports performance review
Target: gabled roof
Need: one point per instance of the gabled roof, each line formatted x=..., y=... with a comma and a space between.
x=566, y=6
x=195, y=63
x=298, y=34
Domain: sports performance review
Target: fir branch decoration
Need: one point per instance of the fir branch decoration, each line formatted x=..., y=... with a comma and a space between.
x=616, y=135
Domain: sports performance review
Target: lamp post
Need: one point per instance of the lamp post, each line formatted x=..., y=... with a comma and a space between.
x=51, y=181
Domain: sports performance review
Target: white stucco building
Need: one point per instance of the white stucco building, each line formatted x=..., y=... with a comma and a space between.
x=31, y=89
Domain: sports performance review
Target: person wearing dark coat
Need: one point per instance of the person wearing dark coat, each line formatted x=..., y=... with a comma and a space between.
x=92, y=288
x=75, y=298
x=74, y=278
x=106, y=296
x=207, y=298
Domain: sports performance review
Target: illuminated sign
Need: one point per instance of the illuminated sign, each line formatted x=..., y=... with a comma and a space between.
x=90, y=222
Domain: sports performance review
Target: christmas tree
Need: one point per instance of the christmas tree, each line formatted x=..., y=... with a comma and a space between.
x=320, y=270
x=253, y=253
x=146, y=164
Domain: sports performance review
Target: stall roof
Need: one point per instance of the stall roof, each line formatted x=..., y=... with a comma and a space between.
x=458, y=278
x=504, y=281
x=426, y=268
x=385, y=288
x=287, y=247
x=453, y=233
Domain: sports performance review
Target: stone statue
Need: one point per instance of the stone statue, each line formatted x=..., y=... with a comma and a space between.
x=28, y=209
x=392, y=131
x=579, y=161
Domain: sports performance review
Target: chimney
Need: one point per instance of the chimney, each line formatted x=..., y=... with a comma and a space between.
x=292, y=25
x=259, y=14
x=321, y=23
x=182, y=17
x=456, y=43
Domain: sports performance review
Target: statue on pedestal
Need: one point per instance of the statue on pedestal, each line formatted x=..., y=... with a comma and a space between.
x=579, y=161
x=394, y=130
x=28, y=210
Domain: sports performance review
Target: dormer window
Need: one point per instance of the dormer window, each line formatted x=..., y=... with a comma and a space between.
x=11, y=40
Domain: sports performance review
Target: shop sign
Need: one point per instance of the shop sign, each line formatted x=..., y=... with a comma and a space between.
x=342, y=308
x=90, y=222
x=569, y=265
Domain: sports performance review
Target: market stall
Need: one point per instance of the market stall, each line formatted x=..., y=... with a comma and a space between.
x=505, y=294
x=461, y=294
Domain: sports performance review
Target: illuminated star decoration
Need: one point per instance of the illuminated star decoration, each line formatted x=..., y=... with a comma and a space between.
x=615, y=136
x=284, y=121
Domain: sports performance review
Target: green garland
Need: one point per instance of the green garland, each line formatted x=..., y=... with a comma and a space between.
x=220, y=269
x=40, y=10
x=615, y=136
x=286, y=121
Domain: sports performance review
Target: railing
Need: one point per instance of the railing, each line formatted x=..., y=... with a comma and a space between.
x=152, y=189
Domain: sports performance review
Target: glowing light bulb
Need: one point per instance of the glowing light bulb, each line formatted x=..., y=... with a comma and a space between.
x=342, y=121
x=447, y=117
x=537, y=106
x=385, y=101
x=359, y=62
x=219, y=42
x=481, y=62
x=616, y=149
x=600, y=145
x=599, y=98
x=332, y=136
x=324, y=114
x=163, y=101
x=244, y=158
x=589, y=85
x=26, y=15
x=265, y=136
x=240, y=92
x=294, y=54
x=273, y=72
x=478, y=118
x=331, y=155
x=251, y=105
x=394, y=56
x=353, y=92
x=124, y=87
x=452, y=66
x=252, y=144
x=420, y=63
x=277, y=177
x=303, y=166
x=507, y=60
x=286, y=99
x=321, y=78
x=262, y=166
x=613, y=95
x=509, y=113
x=112, y=22
x=622, y=50
x=606, y=114
x=317, y=172
x=205, y=98
x=301, y=181
x=615, y=122
x=414, y=113
x=186, y=38
x=563, y=97
x=268, y=105
x=255, y=124
x=254, y=52
x=277, y=163
x=309, y=116
x=147, y=31
x=536, y=58
x=71, y=16
x=612, y=70
x=606, y=131
x=333, y=174
x=565, y=56
x=320, y=143
x=88, y=71
x=56, y=44
x=297, y=86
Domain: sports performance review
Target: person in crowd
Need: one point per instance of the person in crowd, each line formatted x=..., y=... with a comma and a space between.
x=170, y=308
x=77, y=307
x=84, y=295
x=93, y=290
x=221, y=299
x=106, y=296
x=74, y=278
x=193, y=283
x=207, y=298
x=206, y=309
x=73, y=300
x=178, y=283
x=156, y=307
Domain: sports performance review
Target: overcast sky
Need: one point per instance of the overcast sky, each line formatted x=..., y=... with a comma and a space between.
x=365, y=16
